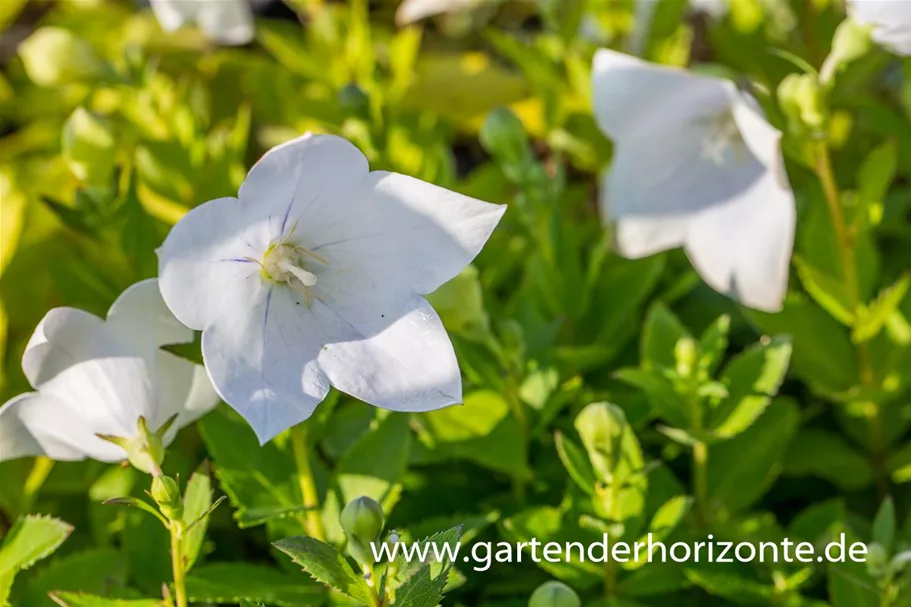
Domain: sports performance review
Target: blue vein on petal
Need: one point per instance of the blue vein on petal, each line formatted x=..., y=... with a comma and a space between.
x=262, y=371
x=290, y=204
x=238, y=260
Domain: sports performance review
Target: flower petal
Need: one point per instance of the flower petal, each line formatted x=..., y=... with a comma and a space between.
x=397, y=354
x=636, y=99
x=295, y=175
x=743, y=248
x=40, y=424
x=64, y=337
x=172, y=14
x=409, y=234
x=226, y=21
x=140, y=315
x=891, y=20
x=262, y=360
x=203, y=264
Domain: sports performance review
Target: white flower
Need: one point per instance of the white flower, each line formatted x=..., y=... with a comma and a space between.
x=313, y=276
x=95, y=376
x=890, y=20
x=695, y=165
x=410, y=11
x=223, y=21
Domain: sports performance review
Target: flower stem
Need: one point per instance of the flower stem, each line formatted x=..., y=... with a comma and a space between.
x=314, y=520
x=39, y=473
x=178, y=564
x=845, y=241
x=701, y=481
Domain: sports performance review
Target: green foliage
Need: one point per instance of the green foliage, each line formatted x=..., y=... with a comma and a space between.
x=31, y=539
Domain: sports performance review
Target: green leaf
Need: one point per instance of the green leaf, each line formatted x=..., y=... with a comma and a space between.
x=421, y=589
x=752, y=379
x=191, y=351
x=660, y=392
x=327, y=565
x=884, y=525
x=668, y=516
x=576, y=463
x=824, y=454
x=376, y=462
x=876, y=175
x=739, y=590
x=713, y=343
x=231, y=582
x=742, y=468
x=430, y=547
x=850, y=585
x=96, y=571
x=872, y=319
x=823, y=356
x=196, y=502
x=78, y=599
x=31, y=539
x=830, y=292
x=259, y=480
x=660, y=334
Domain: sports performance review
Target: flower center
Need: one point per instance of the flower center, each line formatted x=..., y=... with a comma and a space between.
x=722, y=141
x=286, y=263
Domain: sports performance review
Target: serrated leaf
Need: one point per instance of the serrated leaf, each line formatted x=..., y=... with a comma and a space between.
x=576, y=463
x=752, y=379
x=196, y=502
x=224, y=583
x=326, y=565
x=421, y=590
x=92, y=571
x=78, y=599
x=873, y=318
x=31, y=539
x=428, y=550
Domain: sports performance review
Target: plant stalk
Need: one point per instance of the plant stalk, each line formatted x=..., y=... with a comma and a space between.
x=314, y=519
x=178, y=564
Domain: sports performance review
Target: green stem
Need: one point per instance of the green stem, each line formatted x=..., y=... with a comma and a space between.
x=39, y=473
x=701, y=482
x=845, y=242
x=314, y=519
x=178, y=564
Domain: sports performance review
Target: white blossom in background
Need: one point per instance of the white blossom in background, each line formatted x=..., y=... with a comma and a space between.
x=695, y=165
x=94, y=376
x=223, y=21
x=313, y=277
x=411, y=11
x=890, y=20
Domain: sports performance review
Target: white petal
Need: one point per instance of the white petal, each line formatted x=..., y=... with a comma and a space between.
x=227, y=21
x=140, y=315
x=636, y=99
x=891, y=20
x=203, y=265
x=312, y=170
x=172, y=14
x=64, y=337
x=763, y=140
x=743, y=248
x=111, y=393
x=409, y=234
x=262, y=360
x=397, y=355
x=38, y=424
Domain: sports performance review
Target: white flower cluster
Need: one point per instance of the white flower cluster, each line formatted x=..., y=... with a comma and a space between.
x=314, y=275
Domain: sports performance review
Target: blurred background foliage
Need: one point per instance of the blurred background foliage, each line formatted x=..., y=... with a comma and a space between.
x=110, y=130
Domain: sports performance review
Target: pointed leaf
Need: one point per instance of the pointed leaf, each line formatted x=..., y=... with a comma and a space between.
x=327, y=565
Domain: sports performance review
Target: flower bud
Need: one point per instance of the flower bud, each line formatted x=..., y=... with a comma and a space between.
x=802, y=100
x=89, y=147
x=363, y=520
x=685, y=353
x=554, y=594
x=504, y=136
x=54, y=56
x=852, y=41
x=166, y=493
x=145, y=451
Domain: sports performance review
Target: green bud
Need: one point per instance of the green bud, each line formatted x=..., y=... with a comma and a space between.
x=166, y=493
x=802, y=100
x=363, y=520
x=145, y=451
x=54, y=56
x=554, y=594
x=89, y=147
x=686, y=352
x=504, y=136
x=852, y=41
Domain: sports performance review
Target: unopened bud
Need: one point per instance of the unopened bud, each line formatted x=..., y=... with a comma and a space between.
x=802, y=100
x=166, y=493
x=686, y=352
x=89, y=147
x=145, y=451
x=54, y=56
x=554, y=594
x=852, y=41
x=504, y=136
x=363, y=520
